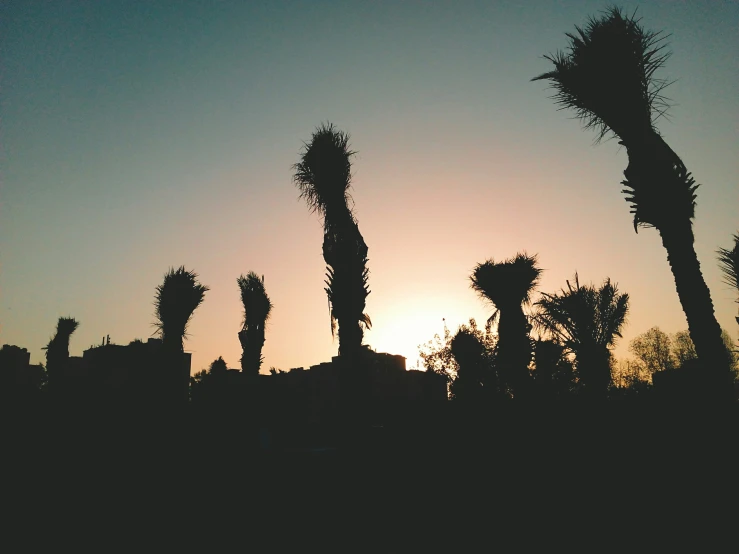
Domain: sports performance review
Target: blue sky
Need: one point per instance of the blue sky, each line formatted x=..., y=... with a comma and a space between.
x=142, y=135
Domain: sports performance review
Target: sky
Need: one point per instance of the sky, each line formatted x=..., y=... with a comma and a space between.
x=142, y=135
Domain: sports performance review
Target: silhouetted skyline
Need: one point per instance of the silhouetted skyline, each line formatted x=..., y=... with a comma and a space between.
x=137, y=137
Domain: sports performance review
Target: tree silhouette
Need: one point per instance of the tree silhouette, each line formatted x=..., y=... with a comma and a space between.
x=608, y=77
x=729, y=264
x=57, y=350
x=323, y=177
x=257, y=308
x=653, y=349
x=553, y=372
x=587, y=321
x=176, y=299
x=508, y=286
x=475, y=379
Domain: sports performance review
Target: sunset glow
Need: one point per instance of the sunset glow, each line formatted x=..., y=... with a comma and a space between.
x=167, y=138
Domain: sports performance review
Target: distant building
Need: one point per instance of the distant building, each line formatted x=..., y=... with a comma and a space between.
x=135, y=365
x=379, y=385
x=16, y=370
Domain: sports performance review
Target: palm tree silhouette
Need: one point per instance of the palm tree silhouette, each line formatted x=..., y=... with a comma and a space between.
x=176, y=299
x=323, y=177
x=508, y=286
x=608, y=77
x=257, y=308
x=57, y=350
x=587, y=321
x=729, y=263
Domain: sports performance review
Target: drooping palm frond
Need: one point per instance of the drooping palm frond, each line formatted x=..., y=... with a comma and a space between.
x=323, y=174
x=729, y=264
x=176, y=299
x=510, y=282
x=607, y=75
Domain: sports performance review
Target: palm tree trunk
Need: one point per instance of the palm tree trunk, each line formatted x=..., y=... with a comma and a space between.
x=696, y=301
x=514, y=353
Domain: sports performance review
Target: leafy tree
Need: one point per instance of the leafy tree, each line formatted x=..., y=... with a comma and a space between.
x=608, y=77
x=683, y=348
x=654, y=350
x=57, y=350
x=587, y=321
x=437, y=355
x=257, y=308
x=323, y=177
x=508, y=286
x=630, y=375
x=476, y=379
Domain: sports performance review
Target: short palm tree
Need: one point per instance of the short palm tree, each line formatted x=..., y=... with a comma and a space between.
x=508, y=286
x=257, y=307
x=729, y=263
x=323, y=177
x=587, y=321
x=176, y=299
x=607, y=76
x=57, y=350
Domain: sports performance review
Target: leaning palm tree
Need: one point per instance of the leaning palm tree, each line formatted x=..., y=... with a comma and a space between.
x=508, y=286
x=323, y=177
x=607, y=76
x=176, y=299
x=57, y=350
x=587, y=321
x=257, y=308
x=729, y=263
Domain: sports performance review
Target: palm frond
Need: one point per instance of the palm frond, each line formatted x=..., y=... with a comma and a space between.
x=175, y=301
x=256, y=303
x=583, y=315
x=729, y=264
x=323, y=174
x=65, y=327
x=607, y=75
x=510, y=282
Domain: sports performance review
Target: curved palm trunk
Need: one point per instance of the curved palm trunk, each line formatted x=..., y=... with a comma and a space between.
x=662, y=193
x=696, y=301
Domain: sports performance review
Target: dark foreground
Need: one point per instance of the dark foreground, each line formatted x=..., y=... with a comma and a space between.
x=515, y=475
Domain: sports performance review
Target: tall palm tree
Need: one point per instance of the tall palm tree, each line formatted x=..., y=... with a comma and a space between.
x=587, y=321
x=729, y=263
x=176, y=299
x=607, y=76
x=57, y=350
x=323, y=177
x=508, y=286
x=257, y=308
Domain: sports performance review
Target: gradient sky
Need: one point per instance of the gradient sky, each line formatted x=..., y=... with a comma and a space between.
x=141, y=135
